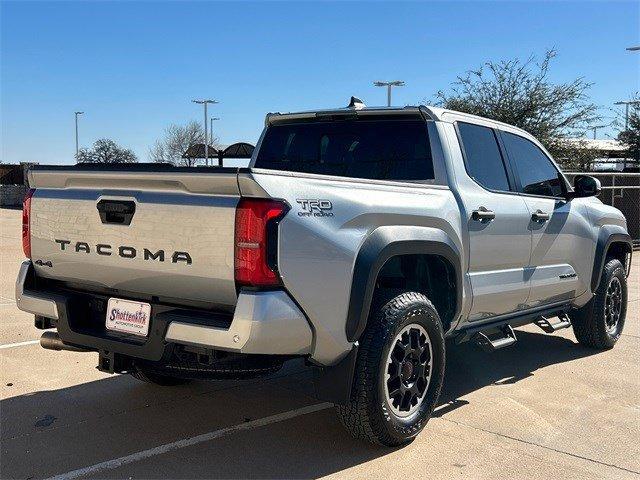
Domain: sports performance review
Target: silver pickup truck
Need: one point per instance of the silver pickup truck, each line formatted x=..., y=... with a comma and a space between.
x=359, y=239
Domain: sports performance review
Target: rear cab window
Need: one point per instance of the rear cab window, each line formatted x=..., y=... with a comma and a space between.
x=380, y=149
x=482, y=157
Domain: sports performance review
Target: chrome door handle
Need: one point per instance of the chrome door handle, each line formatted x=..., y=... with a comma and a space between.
x=540, y=216
x=482, y=214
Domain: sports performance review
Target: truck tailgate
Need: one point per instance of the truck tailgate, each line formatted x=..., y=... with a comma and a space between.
x=167, y=234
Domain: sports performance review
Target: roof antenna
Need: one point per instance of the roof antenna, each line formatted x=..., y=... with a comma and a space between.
x=356, y=103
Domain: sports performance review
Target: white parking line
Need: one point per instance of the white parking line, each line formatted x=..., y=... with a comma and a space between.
x=19, y=344
x=6, y=301
x=188, y=442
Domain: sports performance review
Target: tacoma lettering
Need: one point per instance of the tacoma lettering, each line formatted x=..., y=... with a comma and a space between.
x=123, y=251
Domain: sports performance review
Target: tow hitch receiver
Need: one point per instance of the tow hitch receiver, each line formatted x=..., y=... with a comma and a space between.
x=545, y=324
x=111, y=362
x=505, y=337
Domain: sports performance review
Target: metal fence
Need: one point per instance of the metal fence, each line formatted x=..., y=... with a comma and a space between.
x=622, y=190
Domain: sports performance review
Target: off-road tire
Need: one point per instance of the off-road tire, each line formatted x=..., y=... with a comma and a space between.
x=368, y=415
x=589, y=321
x=155, y=378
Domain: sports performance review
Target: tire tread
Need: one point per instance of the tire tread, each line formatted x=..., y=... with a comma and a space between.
x=360, y=416
x=587, y=321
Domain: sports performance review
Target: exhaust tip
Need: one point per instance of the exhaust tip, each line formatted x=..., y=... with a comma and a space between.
x=52, y=341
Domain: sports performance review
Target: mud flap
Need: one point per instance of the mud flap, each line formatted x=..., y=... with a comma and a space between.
x=333, y=384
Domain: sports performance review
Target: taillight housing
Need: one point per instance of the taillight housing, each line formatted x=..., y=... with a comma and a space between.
x=26, y=223
x=256, y=241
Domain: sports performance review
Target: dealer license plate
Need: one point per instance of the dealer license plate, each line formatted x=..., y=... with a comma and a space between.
x=128, y=317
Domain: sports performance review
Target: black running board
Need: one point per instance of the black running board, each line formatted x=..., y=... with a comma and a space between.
x=545, y=324
x=506, y=337
x=496, y=324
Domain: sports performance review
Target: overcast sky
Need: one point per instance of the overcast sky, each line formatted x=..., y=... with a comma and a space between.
x=134, y=67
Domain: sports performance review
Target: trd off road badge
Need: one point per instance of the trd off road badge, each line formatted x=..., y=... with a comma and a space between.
x=315, y=208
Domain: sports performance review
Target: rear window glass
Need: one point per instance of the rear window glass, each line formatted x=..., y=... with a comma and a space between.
x=482, y=156
x=380, y=149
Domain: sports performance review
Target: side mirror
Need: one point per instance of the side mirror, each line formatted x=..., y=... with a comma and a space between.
x=585, y=186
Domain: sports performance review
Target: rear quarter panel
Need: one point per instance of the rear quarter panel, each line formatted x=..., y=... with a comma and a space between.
x=317, y=253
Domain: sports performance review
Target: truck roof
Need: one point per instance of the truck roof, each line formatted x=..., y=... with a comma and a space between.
x=434, y=113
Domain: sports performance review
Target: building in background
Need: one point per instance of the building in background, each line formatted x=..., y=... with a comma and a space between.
x=611, y=155
x=235, y=155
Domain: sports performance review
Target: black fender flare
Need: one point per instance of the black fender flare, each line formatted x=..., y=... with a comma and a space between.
x=383, y=244
x=608, y=234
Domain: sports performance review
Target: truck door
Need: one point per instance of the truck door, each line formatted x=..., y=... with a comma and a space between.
x=562, y=246
x=498, y=225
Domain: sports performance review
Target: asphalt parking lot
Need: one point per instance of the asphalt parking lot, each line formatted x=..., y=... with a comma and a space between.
x=544, y=408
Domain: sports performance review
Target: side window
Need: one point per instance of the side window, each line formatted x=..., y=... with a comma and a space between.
x=538, y=176
x=482, y=156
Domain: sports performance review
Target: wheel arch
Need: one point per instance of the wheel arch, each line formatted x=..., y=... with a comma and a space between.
x=613, y=241
x=381, y=246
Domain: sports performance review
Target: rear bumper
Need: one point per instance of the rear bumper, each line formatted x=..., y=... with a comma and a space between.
x=37, y=303
x=267, y=323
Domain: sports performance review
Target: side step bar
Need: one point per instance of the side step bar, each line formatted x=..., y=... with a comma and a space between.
x=505, y=338
x=545, y=324
x=498, y=332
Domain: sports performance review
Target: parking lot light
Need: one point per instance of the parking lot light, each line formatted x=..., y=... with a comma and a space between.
x=206, y=136
x=395, y=83
x=626, y=109
x=77, y=113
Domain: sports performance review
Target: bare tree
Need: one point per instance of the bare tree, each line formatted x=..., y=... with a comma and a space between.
x=105, y=150
x=176, y=141
x=520, y=93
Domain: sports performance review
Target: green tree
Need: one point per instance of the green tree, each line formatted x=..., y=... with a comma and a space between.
x=521, y=93
x=105, y=150
x=631, y=136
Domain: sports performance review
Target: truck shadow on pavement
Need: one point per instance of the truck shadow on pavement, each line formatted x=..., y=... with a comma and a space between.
x=53, y=432
x=469, y=368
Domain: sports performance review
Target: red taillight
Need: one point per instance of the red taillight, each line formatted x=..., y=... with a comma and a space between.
x=255, y=241
x=26, y=223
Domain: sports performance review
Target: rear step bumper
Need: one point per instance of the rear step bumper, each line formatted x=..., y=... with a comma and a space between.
x=41, y=304
x=267, y=323
x=263, y=323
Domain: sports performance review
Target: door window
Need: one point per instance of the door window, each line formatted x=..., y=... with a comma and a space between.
x=538, y=176
x=482, y=156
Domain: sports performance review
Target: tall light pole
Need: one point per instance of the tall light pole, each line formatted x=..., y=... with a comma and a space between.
x=626, y=110
x=77, y=113
x=206, y=121
x=211, y=130
x=395, y=83
x=211, y=133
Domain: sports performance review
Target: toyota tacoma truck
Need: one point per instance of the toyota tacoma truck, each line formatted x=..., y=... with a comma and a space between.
x=359, y=239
